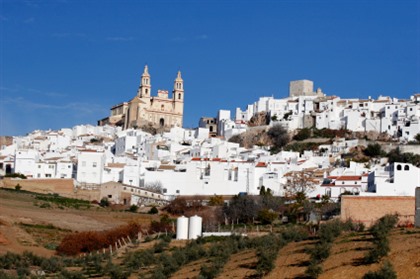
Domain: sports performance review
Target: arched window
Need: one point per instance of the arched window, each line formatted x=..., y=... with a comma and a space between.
x=398, y=167
x=146, y=91
x=179, y=96
x=406, y=167
x=162, y=107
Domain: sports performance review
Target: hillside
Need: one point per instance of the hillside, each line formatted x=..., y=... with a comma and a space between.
x=26, y=225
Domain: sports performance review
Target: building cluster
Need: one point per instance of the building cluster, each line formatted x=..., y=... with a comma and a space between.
x=188, y=162
x=306, y=108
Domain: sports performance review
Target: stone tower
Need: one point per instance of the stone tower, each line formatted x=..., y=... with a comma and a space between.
x=145, y=84
x=178, y=95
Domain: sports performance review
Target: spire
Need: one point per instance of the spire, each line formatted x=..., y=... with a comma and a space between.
x=178, y=77
x=145, y=72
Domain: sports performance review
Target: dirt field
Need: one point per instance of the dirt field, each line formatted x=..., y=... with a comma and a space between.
x=25, y=226
x=344, y=261
x=19, y=209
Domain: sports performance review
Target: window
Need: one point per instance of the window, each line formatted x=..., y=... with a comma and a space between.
x=109, y=196
x=50, y=166
x=328, y=192
x=399, y=167
x=207, y=170
x=406, y=167
x=48, y=175
x=179, y=96
x=39, y=166
x=146, y=91
x=355, y=182
x=177, y=191
x=94, y=164
x=162, y=107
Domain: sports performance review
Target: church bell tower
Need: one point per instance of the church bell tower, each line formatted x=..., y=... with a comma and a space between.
x=145, y=85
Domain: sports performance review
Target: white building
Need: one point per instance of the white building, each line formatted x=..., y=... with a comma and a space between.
x=90, y=167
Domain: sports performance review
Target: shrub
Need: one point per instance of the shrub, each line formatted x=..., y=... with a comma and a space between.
x=279, y=137
x=267, y=216
x=385, y=272
x=313, y=270
x=164, y=225
x=104, y=202
x=177, y=207
x=380, y=231
x=15, y=175
x=373, y=150
x=89, y=241
x=18, y=187
x=153, y=210
x=133, y=208
x=216, y=200
x=303, y=134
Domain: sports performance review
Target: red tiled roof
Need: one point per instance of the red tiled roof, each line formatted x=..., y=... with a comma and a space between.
x=260, y=165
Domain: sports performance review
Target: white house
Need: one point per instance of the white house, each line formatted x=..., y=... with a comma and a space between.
x=90, y=167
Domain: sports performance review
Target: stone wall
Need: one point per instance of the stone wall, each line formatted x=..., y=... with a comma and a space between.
x=369, y=209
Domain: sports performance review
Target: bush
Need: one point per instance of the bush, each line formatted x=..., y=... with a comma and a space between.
x=153, y=210
x=164, y=225
x=177, y=207
x=380, y=231
x=374, y=150
x=279, y=137
x=302, y=134
x=267, y=216
x=104, y=202
x=18, y=187
x=216, y=200
x=133, y=208
x=314, y=270
x=385, y=272
x=85, y=242
x=15, y=175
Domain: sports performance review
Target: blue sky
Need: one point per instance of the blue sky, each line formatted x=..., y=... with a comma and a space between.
x=67, y=62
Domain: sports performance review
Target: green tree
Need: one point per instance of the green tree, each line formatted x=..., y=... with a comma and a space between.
x=417, y=137
x=216, y=200
x=373, y=150
x=303, y=134
x=279, y=137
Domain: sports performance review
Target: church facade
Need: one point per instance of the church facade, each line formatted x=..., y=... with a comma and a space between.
x=161, y=111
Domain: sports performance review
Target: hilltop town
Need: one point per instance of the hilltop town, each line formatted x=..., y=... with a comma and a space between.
x=281, y=168
x=336, y=146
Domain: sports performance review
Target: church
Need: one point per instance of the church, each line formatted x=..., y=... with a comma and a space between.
x=161, y=111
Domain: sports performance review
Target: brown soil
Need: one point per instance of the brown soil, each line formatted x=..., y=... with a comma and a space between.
x=241, y=265
x=291, y=261
x=344, y=261
x=19, y=208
